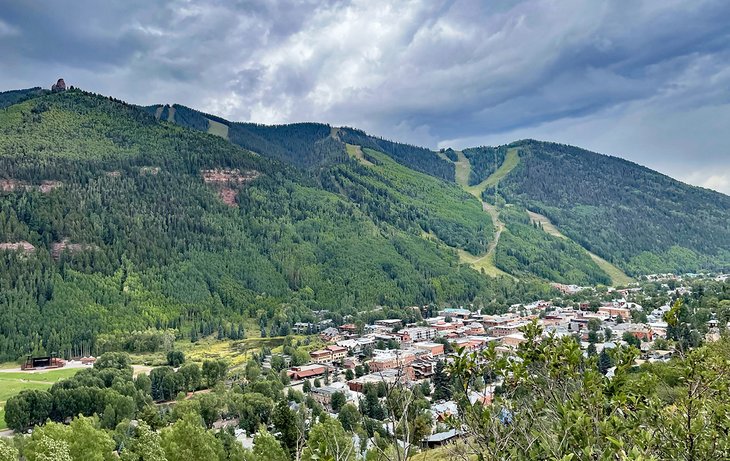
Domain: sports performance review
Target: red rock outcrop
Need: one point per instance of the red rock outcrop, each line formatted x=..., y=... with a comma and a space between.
x=60, y=85
x=17, y=246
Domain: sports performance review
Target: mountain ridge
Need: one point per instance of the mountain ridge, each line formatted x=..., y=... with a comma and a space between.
x=485, y=160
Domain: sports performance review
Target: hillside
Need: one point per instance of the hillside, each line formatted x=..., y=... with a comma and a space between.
x=638, y=219
x=628, y=219
x=306, y=145
x=112, y=221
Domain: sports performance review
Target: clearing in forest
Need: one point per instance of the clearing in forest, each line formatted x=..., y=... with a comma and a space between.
x=510, y=162
x=356, y=152
x=463, y=170
x=171, y=114
x=218, y=128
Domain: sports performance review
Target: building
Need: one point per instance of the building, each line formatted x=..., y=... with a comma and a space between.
x=338, y=353
x=323, y=395
x=389, y=323
x=455, y=313
x=423, y=368
x=435, y=349
x=613, y=311
x=306, y=371
x=385, y=360
x=507, y=329
x=417, y=334
x=513, y=340
x=321, y=356
x=330, y=334
x=385, y=376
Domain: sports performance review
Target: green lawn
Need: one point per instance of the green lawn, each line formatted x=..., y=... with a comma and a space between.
x=11, y=383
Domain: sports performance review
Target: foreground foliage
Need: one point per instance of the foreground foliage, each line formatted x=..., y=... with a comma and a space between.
x=555, y=404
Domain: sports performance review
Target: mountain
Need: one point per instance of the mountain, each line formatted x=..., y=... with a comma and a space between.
x=112, y=221
x=614, y=216
x=117, y=218
x=638, y=219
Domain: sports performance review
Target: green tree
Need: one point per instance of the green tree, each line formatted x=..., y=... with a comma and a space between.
x=631, y=339
x=45, y=448
x=328, y=440
x=144, y=446
x=214, y=371
x=349, y=417
x=114, y=360
x=143, y=383
x=187, y=439
x=266, y=448
x=175, y=358
x=191, y=375
x=441, y=382
x=83, y=440
x=284, y=420
x=28, y=408
x=7, y=451
x=253, y=409
x=338, y=401
x=604, y=361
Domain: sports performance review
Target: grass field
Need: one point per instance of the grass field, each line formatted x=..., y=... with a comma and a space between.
x=11, y=383
x=356, y=152
x=218, y=129
x=463, y=170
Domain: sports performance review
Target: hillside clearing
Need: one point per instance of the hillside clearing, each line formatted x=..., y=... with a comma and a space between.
x=171, y=114
x=463, y=170
x=484, y=262
x=357, y=153
x=510, y=162
x=218, y=129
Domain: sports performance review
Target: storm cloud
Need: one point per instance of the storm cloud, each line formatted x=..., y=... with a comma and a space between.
x=645, y=80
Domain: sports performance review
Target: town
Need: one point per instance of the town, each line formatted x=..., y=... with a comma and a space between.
x=389, y=352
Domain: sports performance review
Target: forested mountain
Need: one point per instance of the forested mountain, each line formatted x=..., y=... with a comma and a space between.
x=640, y=220
x=417, y=158
x=305, y=145
x=112, y=221
x=8, y=98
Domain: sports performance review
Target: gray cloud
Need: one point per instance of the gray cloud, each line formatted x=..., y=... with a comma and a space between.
x=647, y=81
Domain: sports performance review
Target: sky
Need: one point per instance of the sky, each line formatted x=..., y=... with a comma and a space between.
x=648, y=81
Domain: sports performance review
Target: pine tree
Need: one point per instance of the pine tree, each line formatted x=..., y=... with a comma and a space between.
x=441, y=383
x=604, y=361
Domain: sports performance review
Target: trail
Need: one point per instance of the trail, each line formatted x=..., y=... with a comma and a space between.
x=618, y=277
x=356, y=152
x=463, y=171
